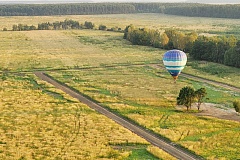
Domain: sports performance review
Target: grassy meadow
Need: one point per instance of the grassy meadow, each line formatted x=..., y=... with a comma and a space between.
x=41, y=122
x=138, y=93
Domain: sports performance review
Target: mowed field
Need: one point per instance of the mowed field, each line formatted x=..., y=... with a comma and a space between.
x=41, y=122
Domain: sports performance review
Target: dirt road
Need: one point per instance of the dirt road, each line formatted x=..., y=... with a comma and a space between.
x=150, y=137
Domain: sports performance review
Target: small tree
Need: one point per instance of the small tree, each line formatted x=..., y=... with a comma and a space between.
x=186, y=97
x=199, y=95
x=236, y=105
x=14, y=27
x=102, y=27
x=89, y=25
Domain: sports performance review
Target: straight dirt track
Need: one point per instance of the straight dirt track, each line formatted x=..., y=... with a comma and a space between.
x=150, y=137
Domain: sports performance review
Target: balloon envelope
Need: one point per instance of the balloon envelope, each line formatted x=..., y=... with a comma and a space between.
x=174, y=61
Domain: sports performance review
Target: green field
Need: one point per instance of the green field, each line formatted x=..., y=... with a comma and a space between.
x=41, y=122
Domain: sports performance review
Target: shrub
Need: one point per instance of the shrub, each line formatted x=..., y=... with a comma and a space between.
x=236, y=105
x=103, y=27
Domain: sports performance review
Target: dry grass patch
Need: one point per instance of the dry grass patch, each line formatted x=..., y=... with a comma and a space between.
x=160, y=153
x=41, y=122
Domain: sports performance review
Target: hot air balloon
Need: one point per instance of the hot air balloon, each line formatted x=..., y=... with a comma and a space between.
x=174, y=61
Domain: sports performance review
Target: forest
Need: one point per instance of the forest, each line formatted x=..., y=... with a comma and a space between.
x=204, y=10
x=185, y=9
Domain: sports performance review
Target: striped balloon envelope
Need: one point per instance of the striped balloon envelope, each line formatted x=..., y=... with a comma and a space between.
x=174, y=61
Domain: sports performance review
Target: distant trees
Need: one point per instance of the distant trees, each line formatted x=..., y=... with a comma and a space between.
x=66, y=24
x=63, y=25
x=66, y=9
x=21, y=27
x=205, y=10
x=170, y=39
x=188, y=95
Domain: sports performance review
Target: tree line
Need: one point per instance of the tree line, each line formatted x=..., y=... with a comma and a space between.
x=185, y=9
x=219, y=49
x=64, y=9
x=82, y=8
x=169, y=39
x=62, y=25
x=66, y=24
x=206, y=10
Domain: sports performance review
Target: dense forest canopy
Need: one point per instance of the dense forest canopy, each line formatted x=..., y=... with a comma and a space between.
x=185, y=9
x=204, y=10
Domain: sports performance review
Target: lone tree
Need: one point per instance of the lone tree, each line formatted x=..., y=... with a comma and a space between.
x=236, y=105
x=199, y=95
x=186, y=96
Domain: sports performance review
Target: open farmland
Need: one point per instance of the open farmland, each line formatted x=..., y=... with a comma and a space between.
x=39, y=121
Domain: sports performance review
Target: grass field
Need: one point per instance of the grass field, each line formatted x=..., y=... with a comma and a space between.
x=139, y=94
x=159, y=21
x=27, y=51
x=40, y=122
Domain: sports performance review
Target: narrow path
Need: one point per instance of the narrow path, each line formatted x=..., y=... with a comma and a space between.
x=220, y=84
x=150, y=137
